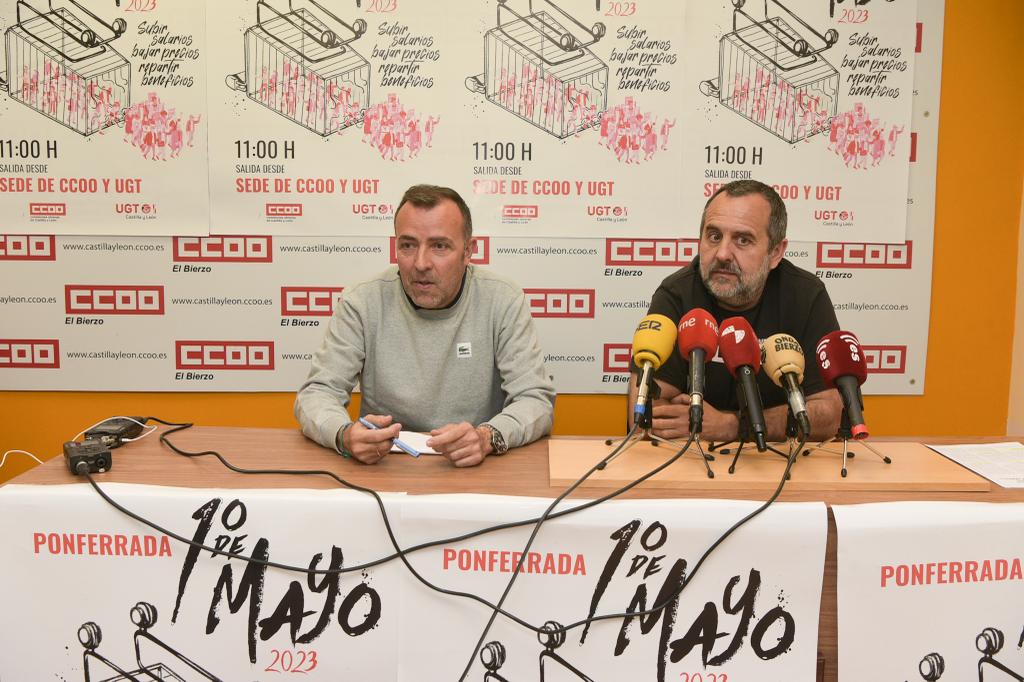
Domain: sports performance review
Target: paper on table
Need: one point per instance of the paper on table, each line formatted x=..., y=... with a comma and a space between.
x=417, y=441
x=1001, y=463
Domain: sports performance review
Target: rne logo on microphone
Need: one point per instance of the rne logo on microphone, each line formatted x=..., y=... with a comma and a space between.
x=661, y=252
x=221, y=249
x=885, y=359
x=113, y=299
x=520, y=211
x=28, y=247
x=224, y=354
x=29, y=354
x=617, y=358
x=481, y=254
x=862, y=255
x=47, y=210
x=283, y=210
x=309, y=301
x=561, y=303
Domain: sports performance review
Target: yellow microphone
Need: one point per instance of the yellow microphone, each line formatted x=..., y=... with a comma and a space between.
x=653, y=342
x=782, y=359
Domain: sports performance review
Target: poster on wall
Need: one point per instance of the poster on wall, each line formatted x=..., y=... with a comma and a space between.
x=812, y=97
x=954, y=565
x=103, y=122
x=549, y=121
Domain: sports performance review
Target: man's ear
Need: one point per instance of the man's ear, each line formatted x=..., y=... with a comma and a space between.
x=776, y=254
x=470, y=250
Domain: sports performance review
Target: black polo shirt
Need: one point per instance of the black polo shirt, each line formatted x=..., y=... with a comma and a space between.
x=794, y=302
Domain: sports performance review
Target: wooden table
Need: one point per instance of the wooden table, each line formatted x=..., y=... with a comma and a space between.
x=523, y=471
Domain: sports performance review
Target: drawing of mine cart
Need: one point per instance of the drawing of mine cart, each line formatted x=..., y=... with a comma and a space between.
x=544, y=73
x=65, y=68
x=989, y=643
x=144, y=616
x=551, y=636
x=769, y=74
x=297, y=64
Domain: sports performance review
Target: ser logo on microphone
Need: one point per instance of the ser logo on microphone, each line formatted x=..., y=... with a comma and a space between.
x=653, y=325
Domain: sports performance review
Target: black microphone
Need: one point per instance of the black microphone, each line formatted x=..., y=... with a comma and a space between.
x=741, y=352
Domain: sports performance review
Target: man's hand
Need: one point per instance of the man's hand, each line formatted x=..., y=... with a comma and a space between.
x=671, y=419
x=370, y=446
x=463, y=444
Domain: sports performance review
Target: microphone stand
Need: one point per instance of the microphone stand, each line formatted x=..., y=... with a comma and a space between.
x=844, y=436
x=643, y=431
x=744, y=434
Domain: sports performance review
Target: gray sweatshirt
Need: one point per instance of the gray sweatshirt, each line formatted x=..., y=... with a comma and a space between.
x=477, y=361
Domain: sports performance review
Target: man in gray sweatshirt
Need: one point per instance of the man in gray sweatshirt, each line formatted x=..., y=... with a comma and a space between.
x=438, y=345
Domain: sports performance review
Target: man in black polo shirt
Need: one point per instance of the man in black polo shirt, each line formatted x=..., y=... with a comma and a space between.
x=740, y=270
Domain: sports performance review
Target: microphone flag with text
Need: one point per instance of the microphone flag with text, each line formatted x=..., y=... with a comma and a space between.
x=783, y=361
x=653, y=341
x=843, y=367
x=738, y=346
x=698, y=342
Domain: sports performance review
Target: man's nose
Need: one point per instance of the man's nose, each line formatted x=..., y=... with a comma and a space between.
x=725, y=251
x=422, y=261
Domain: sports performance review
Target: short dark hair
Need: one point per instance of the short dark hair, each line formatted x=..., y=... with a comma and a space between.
x=776, y=219
x=429, y=196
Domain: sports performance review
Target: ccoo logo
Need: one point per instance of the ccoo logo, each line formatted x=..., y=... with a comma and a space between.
x=617, y=357
x=283, y=210
x=113, y=299
x=667, y=252
x=235, y=249
x=885, y=359
x=224, y=354
x=309, y=301
x=560, y=303
x=860, y=255
x=28, y=247
x=29, y=353
x=520, y=211
x=47, y=210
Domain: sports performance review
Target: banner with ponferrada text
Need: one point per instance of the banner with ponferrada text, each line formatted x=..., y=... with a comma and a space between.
x=751, y=612
x=94, y=593
x=930, y=590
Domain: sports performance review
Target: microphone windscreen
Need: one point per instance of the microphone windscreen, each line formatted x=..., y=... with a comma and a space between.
x=782, y=354
x=653, y=341
x=698, y=329
x=738, y=346
x=840, y=354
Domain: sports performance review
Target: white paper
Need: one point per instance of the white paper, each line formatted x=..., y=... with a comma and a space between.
x=1001, y=463
x=417, y=441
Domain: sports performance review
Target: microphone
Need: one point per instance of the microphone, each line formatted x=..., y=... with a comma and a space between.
x=783, y=362
x=653, y=341
x=698, y=341
x=741, y=352
x=841, y=360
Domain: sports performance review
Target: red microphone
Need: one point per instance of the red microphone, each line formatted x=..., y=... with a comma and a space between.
x=741, y=351
x=841, y=360
x=698, y=341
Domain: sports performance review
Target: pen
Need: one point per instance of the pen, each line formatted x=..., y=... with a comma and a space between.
x=407, y=448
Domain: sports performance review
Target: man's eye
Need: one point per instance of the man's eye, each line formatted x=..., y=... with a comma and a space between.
x=744, y=241
x=441, y=247
x=714, y=237
x=406, y=247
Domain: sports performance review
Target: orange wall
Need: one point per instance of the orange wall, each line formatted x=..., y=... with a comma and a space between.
x=980, y=175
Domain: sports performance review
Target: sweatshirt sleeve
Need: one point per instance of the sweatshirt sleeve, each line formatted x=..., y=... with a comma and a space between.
x=321, y=403
x=529, y=394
